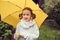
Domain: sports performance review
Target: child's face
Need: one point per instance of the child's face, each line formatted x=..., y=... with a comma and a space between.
x=26, y=15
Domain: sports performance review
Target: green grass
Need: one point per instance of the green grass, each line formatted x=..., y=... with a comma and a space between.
x=47, y=33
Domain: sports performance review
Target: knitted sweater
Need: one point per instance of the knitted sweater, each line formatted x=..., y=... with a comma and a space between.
x=27, y=29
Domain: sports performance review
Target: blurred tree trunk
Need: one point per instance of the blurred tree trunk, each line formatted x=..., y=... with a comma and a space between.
x=40, y=3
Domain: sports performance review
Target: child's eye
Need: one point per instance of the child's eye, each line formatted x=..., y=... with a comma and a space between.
x=27, y=14
x=24, y=14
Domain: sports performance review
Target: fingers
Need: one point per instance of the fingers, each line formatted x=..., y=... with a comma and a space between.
x=16, y=36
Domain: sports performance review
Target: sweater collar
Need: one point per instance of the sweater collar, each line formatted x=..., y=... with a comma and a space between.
x=25, y=24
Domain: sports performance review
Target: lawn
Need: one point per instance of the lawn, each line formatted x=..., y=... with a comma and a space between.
x=48, y=33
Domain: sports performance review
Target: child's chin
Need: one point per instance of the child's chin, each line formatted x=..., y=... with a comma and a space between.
x=27, y=20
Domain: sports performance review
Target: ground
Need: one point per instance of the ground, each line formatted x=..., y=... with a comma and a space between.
x=48, y=33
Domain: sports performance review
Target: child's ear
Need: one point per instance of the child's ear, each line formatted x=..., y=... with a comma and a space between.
x=20, y=16
x=33, y=16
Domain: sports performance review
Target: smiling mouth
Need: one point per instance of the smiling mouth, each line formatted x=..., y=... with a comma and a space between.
x=26, y=18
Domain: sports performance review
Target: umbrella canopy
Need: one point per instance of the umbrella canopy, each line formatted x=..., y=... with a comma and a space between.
x=10, y=10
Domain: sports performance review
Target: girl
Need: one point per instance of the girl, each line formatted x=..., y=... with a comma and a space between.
x=27, y=29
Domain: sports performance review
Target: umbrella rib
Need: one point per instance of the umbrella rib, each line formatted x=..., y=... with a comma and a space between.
x=14, y=4
x=12, y=13
x=25, y=3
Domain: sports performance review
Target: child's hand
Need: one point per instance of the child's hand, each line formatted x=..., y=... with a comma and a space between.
x=16, y=36
x=21, y=36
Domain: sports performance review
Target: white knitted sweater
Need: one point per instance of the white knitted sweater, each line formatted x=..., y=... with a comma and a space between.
x=27, y=29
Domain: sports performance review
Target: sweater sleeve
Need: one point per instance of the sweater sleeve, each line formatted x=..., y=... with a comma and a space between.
x=18, y=29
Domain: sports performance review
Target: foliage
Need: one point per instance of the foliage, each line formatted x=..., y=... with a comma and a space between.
x=6, y=30
x=52, y=8
x=49, y=5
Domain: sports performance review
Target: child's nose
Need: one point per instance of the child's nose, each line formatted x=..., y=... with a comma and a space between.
x=26, y=14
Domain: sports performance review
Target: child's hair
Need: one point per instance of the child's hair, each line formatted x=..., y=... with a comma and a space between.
x=32, y=14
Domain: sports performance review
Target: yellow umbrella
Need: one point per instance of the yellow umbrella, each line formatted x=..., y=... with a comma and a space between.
x=10, y=10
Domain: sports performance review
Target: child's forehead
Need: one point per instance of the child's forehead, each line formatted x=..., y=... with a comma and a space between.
x=26, y=11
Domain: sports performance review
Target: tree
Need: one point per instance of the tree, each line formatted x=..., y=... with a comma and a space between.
x=40, y=3
x=52, y=8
